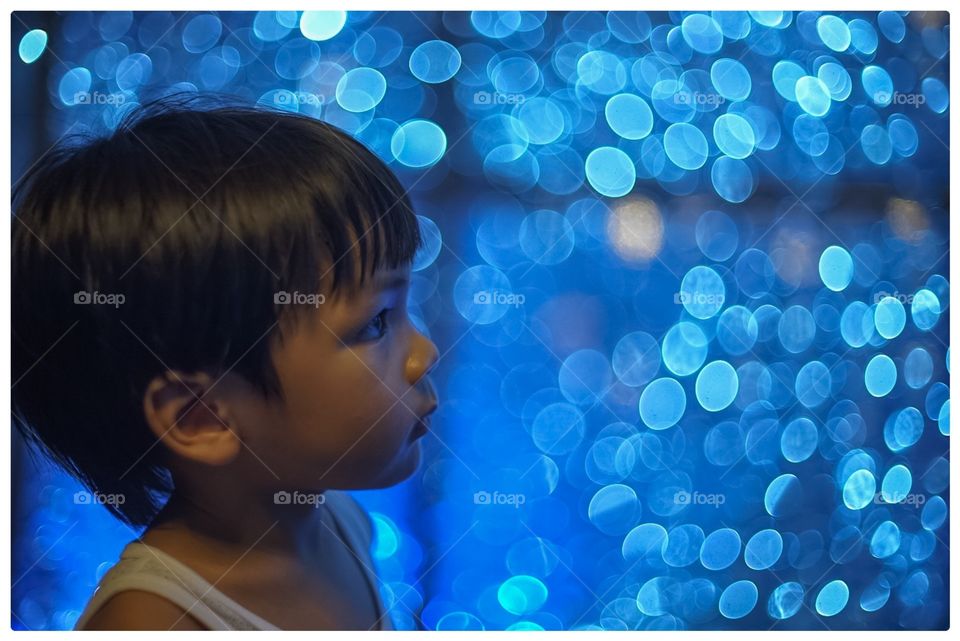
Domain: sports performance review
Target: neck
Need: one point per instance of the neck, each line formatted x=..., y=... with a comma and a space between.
x=236, y=521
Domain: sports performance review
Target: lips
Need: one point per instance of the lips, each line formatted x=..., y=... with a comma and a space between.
x=423, y=423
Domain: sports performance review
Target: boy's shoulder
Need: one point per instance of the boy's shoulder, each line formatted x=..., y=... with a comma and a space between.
x=140, y=610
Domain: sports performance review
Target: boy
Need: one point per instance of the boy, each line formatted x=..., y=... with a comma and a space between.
x=210, y=331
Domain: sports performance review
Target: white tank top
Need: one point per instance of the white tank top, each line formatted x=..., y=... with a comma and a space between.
x=149, y=569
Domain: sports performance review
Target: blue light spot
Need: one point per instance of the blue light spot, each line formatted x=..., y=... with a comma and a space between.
x=720, y=549
x=435, y=61
x=799, y=440
x=723, y=444
x=737, y=330
x=903, y=135
x=903, y=429
x=702, y=292
x=684, y=348
x=763, y=549
x=796, y=329
x=662, y=403
x=584, y=377
x=854, y=326
x=32, y=45
x=546, y=237
x=813, y=96
x=891, y=26
x=786, y=74
x=925, y=309
x=418, y=143
x=654, y=596
x=610, y=171
x=515, y=74
x=522, y=594
x=876, y=145
x=602, y=72
x=813, y=384
x=885, y=540
x=889, y=317
x=874, y=597
x=731, y=79
x=267, y=26
x=734, y=135
x=643, y=542
x=943, y=418
x=859, y=490
x=636, y=359
x=430, y=248
x=75, y=86
x=629, y=116
x=682, y=545
x=702, y=33
x=480, y=294
x=936, y=94
x=934, y=513
x=877, y=85
x=880, y=375
x=834, y=32
x=755, y=273
x=782, y=496
x=385, y=541
x=732, y=179
x=785, y=600
x=201, y=33
x=836, y=79
x=685, y=145
x=362, y=89
x=613, y=509
x=836, y=268
x=558, y=429
x=896, y=484
x=543, y=120
x=832, y=598
x=459, y=621
x=738, y=599
x=322, y=25
x=717, y=235
x=717, y=386
x=297, y=58
x=917, y=368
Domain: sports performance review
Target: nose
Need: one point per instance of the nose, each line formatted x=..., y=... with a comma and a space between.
x=421, y=361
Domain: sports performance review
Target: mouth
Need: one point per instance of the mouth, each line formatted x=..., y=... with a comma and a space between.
x=421, y=428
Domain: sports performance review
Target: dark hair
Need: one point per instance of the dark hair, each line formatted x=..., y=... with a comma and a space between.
x=196, y=215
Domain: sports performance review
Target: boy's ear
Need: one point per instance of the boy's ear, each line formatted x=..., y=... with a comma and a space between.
x=185, y=413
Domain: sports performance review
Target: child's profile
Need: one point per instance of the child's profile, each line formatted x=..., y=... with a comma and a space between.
x=210, y=332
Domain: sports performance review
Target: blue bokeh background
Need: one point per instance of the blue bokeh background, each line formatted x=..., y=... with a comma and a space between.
x=687, y=273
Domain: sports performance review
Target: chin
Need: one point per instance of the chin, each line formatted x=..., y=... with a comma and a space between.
x=400, y=468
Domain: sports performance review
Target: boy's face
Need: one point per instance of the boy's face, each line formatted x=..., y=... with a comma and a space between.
x=354, y=377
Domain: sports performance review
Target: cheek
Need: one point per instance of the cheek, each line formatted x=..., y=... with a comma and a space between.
x=348, y=403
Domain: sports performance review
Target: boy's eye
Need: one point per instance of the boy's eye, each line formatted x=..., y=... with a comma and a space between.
x=375, y=329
